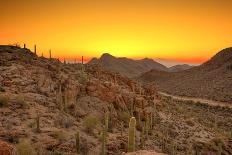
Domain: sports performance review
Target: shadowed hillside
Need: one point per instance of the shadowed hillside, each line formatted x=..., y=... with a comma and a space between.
x=211, y=80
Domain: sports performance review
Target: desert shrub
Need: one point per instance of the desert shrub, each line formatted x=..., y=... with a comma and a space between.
x=90, y=123
x=24, y=148
x=59, y=135
x=3, y=101
x=20, y=100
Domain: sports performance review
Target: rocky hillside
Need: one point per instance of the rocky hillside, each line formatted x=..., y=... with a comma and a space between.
x=50, y=108
x=211, y=80
x=127, y=67
x=46, y=102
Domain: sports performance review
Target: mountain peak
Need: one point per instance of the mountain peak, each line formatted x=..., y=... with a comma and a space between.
x=107, y=55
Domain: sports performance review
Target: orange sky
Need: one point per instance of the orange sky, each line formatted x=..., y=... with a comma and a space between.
x=191, y=31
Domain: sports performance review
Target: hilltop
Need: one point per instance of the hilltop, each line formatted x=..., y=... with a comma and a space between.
x=211, y=80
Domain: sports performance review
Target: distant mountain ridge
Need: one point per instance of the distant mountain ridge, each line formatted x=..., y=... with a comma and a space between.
x=178, y=68
x=211, y=80
x=132, y=68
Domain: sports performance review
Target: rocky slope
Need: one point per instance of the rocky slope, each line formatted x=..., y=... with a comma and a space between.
x=45, y=104
x=211, y=80
x=127, y=67
x=66, y=98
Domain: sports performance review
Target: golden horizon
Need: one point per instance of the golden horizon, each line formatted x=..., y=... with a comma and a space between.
x=190, y=32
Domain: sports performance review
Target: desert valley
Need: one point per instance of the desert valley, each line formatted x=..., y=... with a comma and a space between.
x=113, y=106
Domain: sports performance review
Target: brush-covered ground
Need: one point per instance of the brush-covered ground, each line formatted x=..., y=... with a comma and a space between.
x=44, y=104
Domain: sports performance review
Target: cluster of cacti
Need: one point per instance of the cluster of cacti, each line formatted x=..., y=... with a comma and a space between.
x=132, y=134
x=78, y=148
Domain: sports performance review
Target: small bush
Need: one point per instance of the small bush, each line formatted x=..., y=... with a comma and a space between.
x=90, y=123
x=25, y=148
x=3, y=101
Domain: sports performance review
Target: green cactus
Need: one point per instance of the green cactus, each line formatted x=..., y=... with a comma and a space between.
x=122, y=127
x=38, y=123
x=131, y=138
x=60, y=98
x=78, y=142
x=106, y=121
x=151, y=120
x=103, y=141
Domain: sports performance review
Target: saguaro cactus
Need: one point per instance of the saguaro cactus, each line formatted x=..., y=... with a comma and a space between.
x=106, y=121
x=82, y=60
x=24, y=46
x=131, y=138
x=78, y=142
x=115, y=79
x=35, y=49
x=50, y=54
x=103, y=141
x=37, y=123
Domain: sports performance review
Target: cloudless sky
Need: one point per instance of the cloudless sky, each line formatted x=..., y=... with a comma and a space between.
x=185, y=31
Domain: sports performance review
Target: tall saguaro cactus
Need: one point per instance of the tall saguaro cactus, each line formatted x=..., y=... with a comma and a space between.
x=35, y=49
x=106, y=121
x=50, y=54
x=24, y=46
x=131, y=138
x=78, y=143
x=38, y=123
x=103, y=141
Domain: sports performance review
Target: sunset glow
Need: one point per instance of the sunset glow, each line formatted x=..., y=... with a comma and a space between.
x=190, y=31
